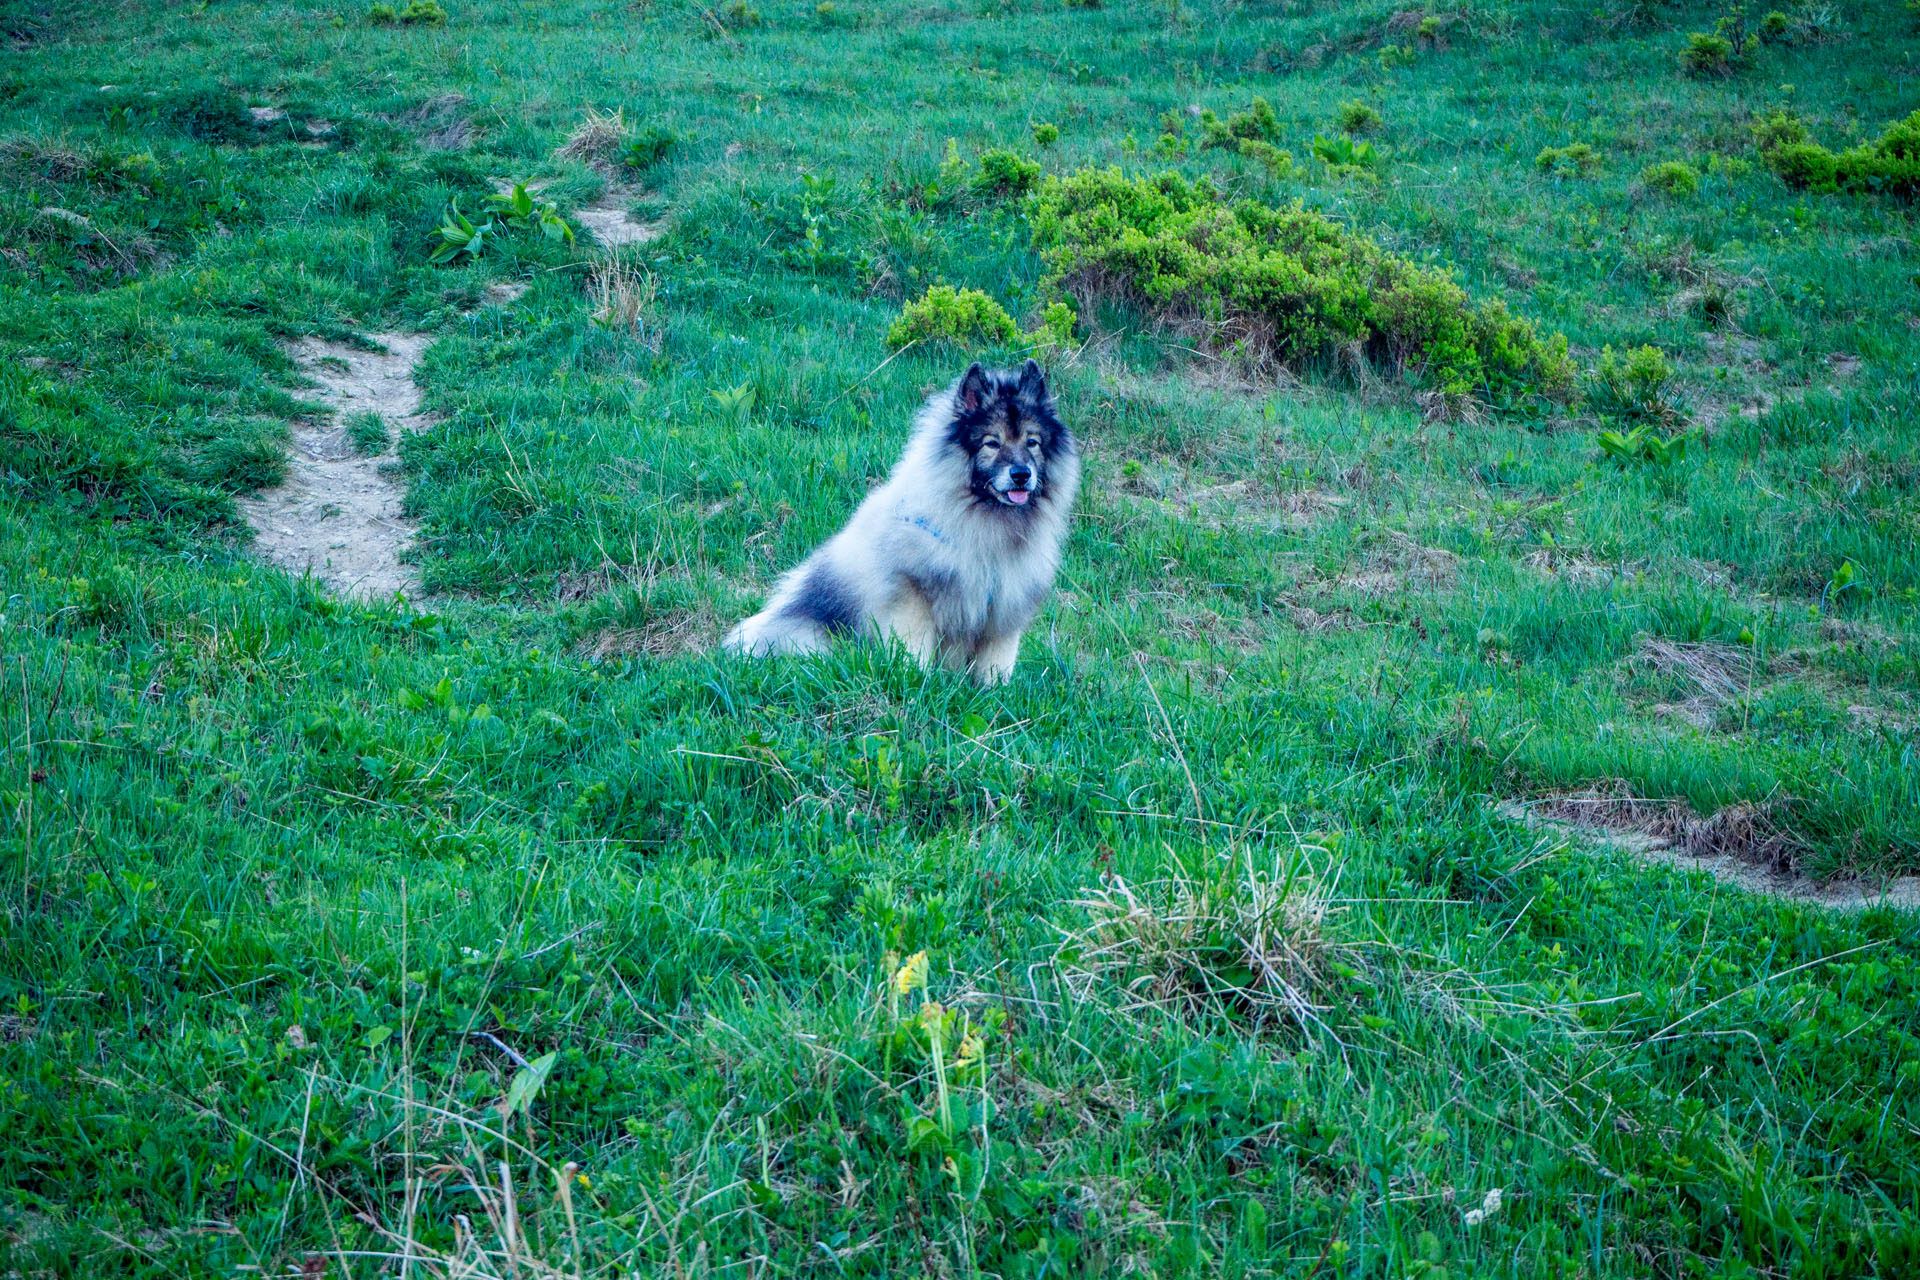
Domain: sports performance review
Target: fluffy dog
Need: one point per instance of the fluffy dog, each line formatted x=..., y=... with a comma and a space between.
x=954, y=553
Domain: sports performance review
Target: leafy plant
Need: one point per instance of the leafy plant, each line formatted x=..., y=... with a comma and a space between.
x=1044, y=134
x=514, y=210
x=1346, y=156
x=647, y=148
x=418, y=13
x=1276, y=161
x=1671, y=177
x=736, y=404
x=1640, y=444
x=383, y=15
x=521, y=210
x=459, y=237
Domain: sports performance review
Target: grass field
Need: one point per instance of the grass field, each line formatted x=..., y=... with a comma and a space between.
x=509, y=931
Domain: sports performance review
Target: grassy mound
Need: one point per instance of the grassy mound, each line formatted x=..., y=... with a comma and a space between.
x=1284, y=284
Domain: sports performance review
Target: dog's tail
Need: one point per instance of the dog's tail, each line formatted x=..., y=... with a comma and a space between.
x=771, y=633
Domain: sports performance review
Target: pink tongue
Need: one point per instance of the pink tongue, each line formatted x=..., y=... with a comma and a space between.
x=1017, y=496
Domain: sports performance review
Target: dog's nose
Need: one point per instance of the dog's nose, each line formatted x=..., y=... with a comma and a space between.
x=1021, y=476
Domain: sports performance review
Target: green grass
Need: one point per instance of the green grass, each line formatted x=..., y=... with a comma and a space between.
x=300, y=895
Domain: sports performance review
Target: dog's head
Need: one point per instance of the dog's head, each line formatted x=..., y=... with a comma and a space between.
x=1003, y=422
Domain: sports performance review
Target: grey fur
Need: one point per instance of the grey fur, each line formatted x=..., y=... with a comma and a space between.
x=949, y=555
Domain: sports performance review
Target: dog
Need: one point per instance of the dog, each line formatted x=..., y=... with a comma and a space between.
x=954, y=553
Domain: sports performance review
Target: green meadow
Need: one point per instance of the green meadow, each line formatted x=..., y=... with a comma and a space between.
x=1287, y=914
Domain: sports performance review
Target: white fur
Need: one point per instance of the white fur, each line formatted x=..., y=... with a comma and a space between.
x=953, y=580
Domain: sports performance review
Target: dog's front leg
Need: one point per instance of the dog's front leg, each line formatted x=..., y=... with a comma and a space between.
x=993, y=660
x=909, y=620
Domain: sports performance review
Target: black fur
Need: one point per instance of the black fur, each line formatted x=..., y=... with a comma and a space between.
x=825, y=600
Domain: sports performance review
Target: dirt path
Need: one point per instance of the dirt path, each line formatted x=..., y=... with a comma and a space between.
x=1902, y=892
x=607, y=221
x=339, y=513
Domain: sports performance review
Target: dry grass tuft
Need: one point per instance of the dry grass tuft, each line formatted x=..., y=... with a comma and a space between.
x=1746, y=831
x=597, y=140
x=1720, y=671
x=626, y=298
x=1235, y=933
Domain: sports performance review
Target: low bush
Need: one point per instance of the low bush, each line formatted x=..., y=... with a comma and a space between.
x=1671, y=177
x=959, y=316
x=1045, y=135
x=968, y=316
x=418, y=13
x=1575, y=160
x=1889, y=164
x=1284, y=284
x=1257, y=123
x=1728, y=46
x=1357, y=118
x=1005, y=173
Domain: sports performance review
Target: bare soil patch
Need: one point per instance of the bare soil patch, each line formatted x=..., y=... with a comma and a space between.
x=609, y=223
x=339, y=515
x=1739, y=845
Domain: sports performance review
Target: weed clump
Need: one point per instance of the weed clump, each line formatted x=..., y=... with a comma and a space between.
x=1239, y=939
x=367, y=433
x=1285, y=285
x=1671, y=177
x=1045, y=135
x=1889, y=163
x=1575, y=160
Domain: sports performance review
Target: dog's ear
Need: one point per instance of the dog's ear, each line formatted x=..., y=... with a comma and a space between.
x=1033, y=382
x=973, y=389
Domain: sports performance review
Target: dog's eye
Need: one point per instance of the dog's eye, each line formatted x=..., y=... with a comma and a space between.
x=989, y=444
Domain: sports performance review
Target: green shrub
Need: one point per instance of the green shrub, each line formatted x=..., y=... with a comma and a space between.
x=739, y=14
x=1045, y=135
x=1778, y=128
x=424, y=13
x=1358, y=119
x=1005, y=173
x=953, y=315
x=1890, y=164
x=1574, y=160
x=1729, y=45
x=383, y=15
x=1274, y=159
x=1285, y=283
x=1671, y=177
x=1257, y=123
x=1775, y=26
x=1055, y=330
x=1707, y=55
x=1636, y=385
